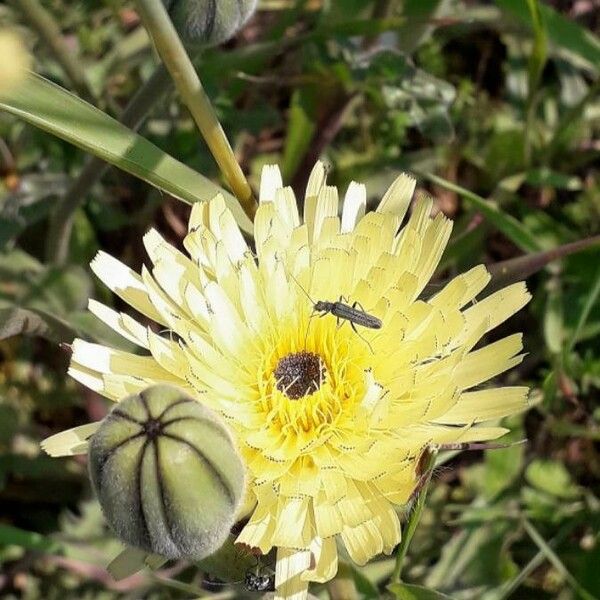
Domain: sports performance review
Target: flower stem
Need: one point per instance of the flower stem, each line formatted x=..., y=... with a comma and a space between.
x=414, y=518
x=187, y=82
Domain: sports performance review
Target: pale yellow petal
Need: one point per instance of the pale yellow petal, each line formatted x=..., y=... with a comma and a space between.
x=485, y=405
x=498, y=306
x=107, y=360
x=127, y=563
x=70, y=442
x=293, y=526
x=397, y=199
x=328, y=520
x=270, y=182
x=489, y=361
x=363, y=542
x=326, y=207
x=316, y=182
x=316, y=179
x=90, y=378
x=287, y=207
x=168, y=354
x=258, y=531
x=463, y=288
x=291, y=565
x=355, y=203
x=325, y=558
x=123, y=324
x=124, y=282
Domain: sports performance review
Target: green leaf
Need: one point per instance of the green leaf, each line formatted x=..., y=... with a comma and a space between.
x=553, y=321
x=539, y=53
x=13, y=536
x=501, y=468
x=563, y=32
x=405, y=591
x=505, y=223
x=551, y=477
x=53, y=109
x=367, y=589
x=420, y=16
x=229, y=563
x=557, y=563
x=21, y=321
x=301, y=127
x=590, y=300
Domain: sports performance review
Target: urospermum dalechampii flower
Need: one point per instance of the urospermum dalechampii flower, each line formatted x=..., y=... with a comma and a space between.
x=331, y=424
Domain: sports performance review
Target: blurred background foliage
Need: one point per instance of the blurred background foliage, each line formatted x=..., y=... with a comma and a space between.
x=497, y=97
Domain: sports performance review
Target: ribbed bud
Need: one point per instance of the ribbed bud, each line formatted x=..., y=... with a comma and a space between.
x=166, y=473
x=209, y=22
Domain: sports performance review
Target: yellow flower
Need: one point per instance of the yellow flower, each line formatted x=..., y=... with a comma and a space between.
x=331, y=421
x=15, y=62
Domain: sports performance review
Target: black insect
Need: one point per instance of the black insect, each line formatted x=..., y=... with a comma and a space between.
x=259, y=582
x=352, y=314
x=355, y=314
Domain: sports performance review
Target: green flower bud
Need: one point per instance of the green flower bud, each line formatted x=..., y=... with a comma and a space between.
x=208, y=22
x=166, y=473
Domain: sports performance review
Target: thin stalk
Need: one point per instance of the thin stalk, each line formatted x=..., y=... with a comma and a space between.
x=48, y=30
x=585, y=313
x=187, y=82
x=61, y=222
x=571, y=116
x=413, y=520
x=553, y=558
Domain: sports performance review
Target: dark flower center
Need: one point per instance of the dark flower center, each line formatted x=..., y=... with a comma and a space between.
x=299, y=374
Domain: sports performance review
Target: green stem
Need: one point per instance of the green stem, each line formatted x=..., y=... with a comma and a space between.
x=48, y=30
x=61, y=222
x=585, y=313
x=507, y=589
x=553, y=558
x=414, y=518
x=187, y=82
x=571, y=115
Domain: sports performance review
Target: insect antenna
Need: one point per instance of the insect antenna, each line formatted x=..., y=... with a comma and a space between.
x=312, y=302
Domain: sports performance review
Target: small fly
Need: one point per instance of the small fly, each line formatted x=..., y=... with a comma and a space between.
x=259, y=581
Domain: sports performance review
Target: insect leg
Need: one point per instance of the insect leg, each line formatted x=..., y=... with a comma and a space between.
x=353, y=325
x=357, y=303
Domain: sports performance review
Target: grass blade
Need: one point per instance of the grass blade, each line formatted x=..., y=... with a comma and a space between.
x=541, y=543
x=508, y=225
x=561, y=31
x=53, y=109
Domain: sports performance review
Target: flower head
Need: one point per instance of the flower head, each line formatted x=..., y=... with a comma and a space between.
x=331, y=419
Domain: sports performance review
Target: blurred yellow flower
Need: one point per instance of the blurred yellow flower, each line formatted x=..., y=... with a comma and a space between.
x=331, y=423
x=15, y=62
